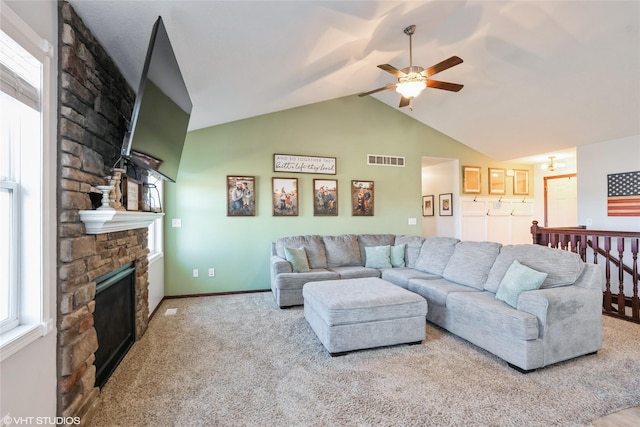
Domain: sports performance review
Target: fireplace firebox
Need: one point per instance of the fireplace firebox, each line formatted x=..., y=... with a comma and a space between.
x=114, y=319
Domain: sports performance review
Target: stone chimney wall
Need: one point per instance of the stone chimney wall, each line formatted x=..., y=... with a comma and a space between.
x=94, y=105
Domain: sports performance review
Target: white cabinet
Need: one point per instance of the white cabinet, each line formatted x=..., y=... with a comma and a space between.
x=495, y=219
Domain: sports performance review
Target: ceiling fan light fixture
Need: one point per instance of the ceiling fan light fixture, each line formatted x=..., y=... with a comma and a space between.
x=552, y=165
x=411, y=85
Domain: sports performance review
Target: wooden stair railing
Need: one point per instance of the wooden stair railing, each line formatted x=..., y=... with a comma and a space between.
x=614, y=247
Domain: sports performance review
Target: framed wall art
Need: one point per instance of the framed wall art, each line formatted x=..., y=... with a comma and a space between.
x=446, y=204
x=427, y=205
x=241, y=196
x=362, y=199
x=304, y=164
x=623, y=194
x=131, y=194
x=520, y=182
x=325, y=201
x=284, y=196
x=497, y=181
x=471, y=179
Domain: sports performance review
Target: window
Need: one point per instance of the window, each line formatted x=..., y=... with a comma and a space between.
x=153, y=198
x=26, y=186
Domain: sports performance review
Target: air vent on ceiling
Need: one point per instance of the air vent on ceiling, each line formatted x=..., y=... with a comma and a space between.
x=380, y=160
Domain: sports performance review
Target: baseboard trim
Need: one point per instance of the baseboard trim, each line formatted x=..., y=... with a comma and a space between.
x=214, y=294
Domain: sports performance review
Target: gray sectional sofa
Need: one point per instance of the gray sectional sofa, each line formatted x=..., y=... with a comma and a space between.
x=473, y=289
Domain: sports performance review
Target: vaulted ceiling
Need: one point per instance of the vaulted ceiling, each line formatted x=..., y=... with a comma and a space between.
x=539, y=76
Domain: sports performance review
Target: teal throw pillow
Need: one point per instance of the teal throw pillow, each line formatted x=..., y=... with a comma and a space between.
x=518, y=278
x=397, y=255
x=378, y=256
x=298, y=259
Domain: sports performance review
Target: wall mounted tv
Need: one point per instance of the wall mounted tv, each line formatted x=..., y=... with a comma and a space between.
x=161, y=111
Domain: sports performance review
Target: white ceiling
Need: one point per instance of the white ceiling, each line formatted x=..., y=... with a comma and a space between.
x=539, y=76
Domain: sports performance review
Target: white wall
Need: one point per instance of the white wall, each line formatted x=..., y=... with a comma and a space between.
x=442, y=178
x=28, y=377
x=570, y=167
x=595, y=162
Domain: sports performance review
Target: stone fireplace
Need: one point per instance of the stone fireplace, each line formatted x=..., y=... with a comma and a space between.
x=94, y=102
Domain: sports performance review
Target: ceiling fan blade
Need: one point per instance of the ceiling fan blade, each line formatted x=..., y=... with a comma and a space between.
x=380, y=89
x=453, y=87
x=404, y=102
x=444, y=65
x=391, y=69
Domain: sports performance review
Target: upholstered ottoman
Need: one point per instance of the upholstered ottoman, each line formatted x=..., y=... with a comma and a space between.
x=354, y=314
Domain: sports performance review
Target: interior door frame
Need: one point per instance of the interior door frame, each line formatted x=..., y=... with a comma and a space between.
x=545, y=179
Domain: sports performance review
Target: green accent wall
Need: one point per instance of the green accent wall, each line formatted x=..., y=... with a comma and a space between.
x=346, y=128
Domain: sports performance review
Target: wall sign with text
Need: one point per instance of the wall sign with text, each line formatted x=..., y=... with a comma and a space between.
x=304, y=164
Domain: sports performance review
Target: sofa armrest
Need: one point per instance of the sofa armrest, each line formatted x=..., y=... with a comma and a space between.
x=569, y=320
x=279, y=265
x=553, y=304
x=561, y=304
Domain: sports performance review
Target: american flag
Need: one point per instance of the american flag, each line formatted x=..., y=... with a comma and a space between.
x=623, y=196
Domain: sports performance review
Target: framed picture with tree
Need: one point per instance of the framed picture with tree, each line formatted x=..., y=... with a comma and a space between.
x=285, y=196
x=362, y=198
x=325, y=202
x=241, y=195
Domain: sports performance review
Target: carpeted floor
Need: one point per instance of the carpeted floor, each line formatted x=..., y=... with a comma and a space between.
x=237, y=360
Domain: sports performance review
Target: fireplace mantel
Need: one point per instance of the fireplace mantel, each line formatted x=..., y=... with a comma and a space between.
x=109, y=220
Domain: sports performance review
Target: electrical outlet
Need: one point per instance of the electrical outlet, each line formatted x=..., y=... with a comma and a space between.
x=176, y=222
x=195, y=272
x=212, y=272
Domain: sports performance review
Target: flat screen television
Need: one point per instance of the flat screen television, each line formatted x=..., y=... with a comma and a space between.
x=161, y=111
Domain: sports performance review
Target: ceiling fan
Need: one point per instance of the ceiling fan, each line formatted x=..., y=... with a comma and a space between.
x=552, y=165
x=413, y=79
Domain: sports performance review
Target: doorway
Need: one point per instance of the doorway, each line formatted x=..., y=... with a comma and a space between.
x=561, y=201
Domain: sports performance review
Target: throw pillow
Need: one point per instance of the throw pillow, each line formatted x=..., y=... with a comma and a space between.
x=298, y=259
x=518, y=278
x=397, y=255
x=378, y=256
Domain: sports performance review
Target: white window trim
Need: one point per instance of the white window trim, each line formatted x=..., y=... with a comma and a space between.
x=21, y=336
x=157, y=252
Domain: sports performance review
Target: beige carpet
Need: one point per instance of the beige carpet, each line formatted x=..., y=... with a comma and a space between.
x=238, y=360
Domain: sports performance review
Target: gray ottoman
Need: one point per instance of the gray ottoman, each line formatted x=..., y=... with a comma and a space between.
x=354, y=314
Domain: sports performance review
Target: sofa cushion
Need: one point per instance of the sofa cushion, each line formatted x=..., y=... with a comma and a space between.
x=313, y=246
x=289, y=281
x=562, y=267
x=518, y=279
x=378, y=257
x=483, y=309
x=368, y=240
x=435, y=254
x=436, y=291
x=401, y=276
x=412, y=251
x=355, y=272
x=471, y=262
x=397, y=255
x=298, y=259
x=342, y=250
